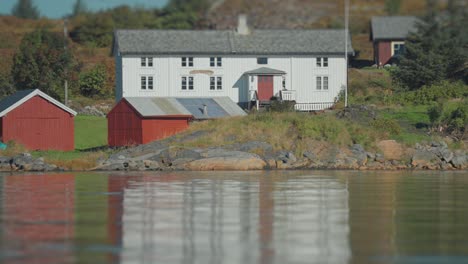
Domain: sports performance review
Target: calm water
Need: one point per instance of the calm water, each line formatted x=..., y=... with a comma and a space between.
x=230, y=217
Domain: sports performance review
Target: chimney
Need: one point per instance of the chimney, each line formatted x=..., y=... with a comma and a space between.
x=242, y=27
x=205, y=110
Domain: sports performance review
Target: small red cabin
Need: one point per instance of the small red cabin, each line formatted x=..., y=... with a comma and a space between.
x=388, y=34
x=135, y=121
x=37, y=121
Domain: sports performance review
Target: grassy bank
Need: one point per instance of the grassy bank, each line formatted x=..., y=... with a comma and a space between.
x=297, y=131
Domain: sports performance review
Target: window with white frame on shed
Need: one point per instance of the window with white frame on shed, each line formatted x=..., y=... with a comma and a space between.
x=187, y=61
x=322, y=62
x=147, y=82
x=216, y=62
x=146, y=61
x=322, y=83
x=216, y=83
x=187, y=83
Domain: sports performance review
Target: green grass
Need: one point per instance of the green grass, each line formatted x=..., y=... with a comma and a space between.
x=90, y=132
x=414, y=122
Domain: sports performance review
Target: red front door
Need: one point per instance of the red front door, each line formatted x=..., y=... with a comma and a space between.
x=265, y=87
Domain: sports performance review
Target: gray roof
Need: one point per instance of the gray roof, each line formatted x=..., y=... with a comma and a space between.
x=259, y=42
x=157, y=106
x=169, y=106
x=9, y=101
x=217, y=107
x=265, y=70
x=393, y=27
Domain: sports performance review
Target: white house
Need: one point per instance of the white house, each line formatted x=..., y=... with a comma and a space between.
x=305, y=66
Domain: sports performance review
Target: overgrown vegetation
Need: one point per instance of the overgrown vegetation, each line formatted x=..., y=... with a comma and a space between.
x=285, y=130
x=42, y=63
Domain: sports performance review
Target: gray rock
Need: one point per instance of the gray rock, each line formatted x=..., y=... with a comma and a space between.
x=309, y=155
x=459, y=161
x=446, y=154
x=291, y=157
x=357, y=148
x=188, y=154
x=255, y=146
x=91, y=111
x=425, y=159
x=379, y=158
x=370, y=156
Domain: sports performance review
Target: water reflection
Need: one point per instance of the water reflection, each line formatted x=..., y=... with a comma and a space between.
x=276, y=217
x=256, y=219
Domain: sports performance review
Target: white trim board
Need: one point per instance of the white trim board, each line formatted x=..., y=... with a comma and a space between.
x=41, y=94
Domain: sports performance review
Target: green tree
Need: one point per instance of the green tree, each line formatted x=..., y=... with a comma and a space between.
x=25, y=9
x=392, y=6
x=93, y=82
x=41, y=62
x=436, y=52
x=79, y=8
x=6, y=86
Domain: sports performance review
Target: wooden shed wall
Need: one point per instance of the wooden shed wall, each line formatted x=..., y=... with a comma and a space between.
x=124, y=126
x=39, y=125
x=384, y=52
x=162, y=127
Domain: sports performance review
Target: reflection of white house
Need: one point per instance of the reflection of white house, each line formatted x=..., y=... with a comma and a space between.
x=306, y=66
x=175, y=219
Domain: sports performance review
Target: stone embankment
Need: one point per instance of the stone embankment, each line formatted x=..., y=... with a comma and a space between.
x=25, y=162
x=163, y=155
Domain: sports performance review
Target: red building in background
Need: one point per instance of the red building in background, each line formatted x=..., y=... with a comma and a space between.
x=388, y=34
x=37, y=121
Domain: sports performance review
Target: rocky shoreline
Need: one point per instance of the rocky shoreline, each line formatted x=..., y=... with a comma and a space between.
x=256, y=155
x=165, y=155
x=25, y=162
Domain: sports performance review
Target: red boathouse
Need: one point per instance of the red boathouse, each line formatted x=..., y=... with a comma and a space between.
x=37, y=121
x=140, y=120
x=135, y=121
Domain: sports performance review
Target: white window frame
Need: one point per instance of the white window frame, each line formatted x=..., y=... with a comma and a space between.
x=216, y=62
x=322, y=62
x=397, y=43
x=216, y=83
x=186, y=62
x=322, y=83
x=146, y=62
x=187, y=83
x=147, y=82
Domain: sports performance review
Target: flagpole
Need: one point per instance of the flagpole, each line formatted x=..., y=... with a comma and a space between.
x=346, y=49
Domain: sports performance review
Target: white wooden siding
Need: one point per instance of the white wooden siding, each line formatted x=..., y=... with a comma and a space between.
x=301, y=73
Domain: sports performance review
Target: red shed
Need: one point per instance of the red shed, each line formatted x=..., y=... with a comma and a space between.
x=142, y=120
x=37, y=121
x=388, y=34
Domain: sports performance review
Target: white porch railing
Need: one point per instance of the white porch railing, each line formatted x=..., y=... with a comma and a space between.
x=288, y=95
x=313, y=106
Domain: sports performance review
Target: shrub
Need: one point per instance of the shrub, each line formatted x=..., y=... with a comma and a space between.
x=92, y=82
x=433, y=93
x=388, y=125
x=451, y=119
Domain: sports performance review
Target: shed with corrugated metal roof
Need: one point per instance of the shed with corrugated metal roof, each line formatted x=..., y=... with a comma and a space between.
x=140, y=120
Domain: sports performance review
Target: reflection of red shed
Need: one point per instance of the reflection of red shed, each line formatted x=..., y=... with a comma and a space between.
x=37, y=121
x=142, y=120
